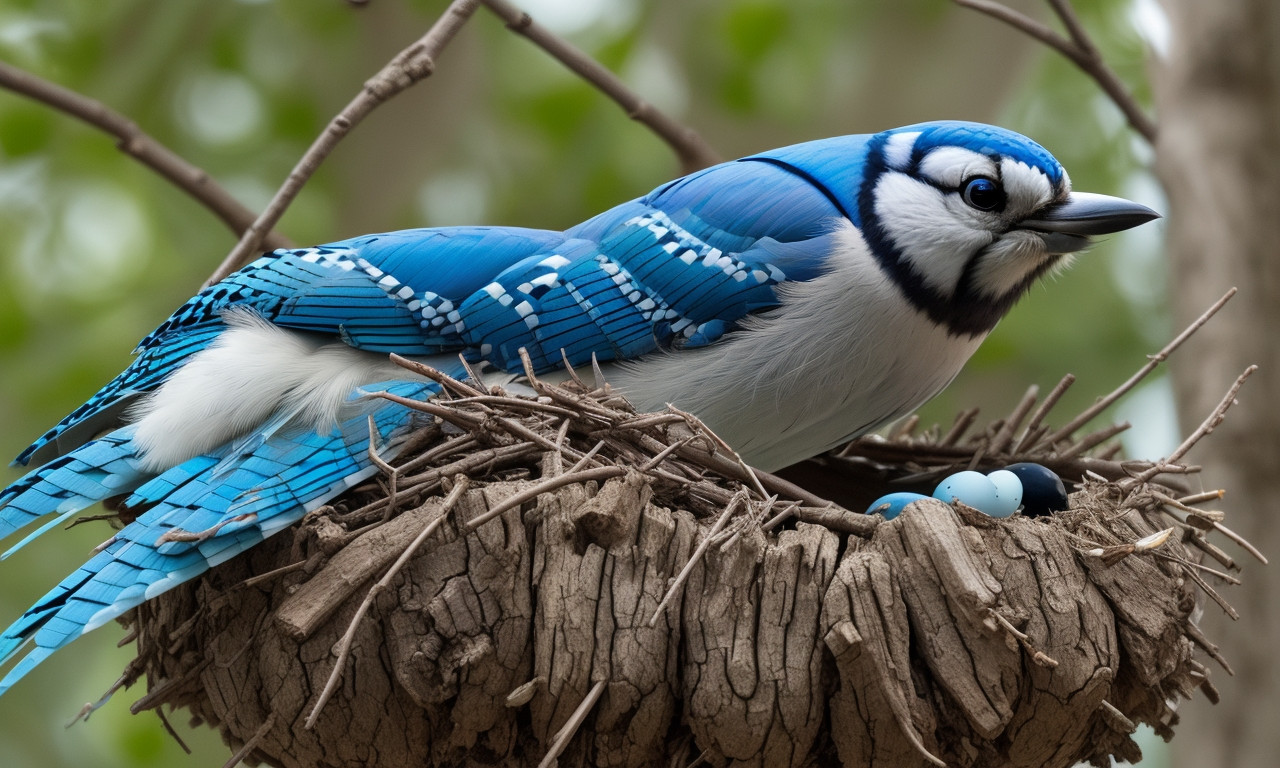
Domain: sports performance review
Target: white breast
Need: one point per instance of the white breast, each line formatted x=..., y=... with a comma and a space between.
x=843, y=354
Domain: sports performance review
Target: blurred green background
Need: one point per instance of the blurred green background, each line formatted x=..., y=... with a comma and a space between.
x=95, y=250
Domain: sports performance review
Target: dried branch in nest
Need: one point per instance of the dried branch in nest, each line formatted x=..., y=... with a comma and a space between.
x=911, y=461
x=607, y=587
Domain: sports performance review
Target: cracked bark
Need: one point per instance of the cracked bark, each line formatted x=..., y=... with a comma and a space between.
x=942, y=637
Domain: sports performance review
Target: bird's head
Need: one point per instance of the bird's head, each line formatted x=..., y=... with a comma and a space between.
x=966, y=217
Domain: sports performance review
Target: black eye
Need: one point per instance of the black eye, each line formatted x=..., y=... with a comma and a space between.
x=983, y=193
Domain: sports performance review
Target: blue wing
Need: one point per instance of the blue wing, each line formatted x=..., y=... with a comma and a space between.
x=677, y=268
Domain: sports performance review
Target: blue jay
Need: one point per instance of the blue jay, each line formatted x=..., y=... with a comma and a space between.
x=792, y=299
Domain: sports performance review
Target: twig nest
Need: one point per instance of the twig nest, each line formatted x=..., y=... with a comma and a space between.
x=566, y=580
x=946, y=637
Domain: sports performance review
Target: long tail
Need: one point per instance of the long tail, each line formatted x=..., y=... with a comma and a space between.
x=208, y=510
x=98, y=470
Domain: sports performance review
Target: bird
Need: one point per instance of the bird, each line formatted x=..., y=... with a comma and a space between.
x=792, y=299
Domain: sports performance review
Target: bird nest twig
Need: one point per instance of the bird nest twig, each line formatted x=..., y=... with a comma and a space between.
x=562, y=578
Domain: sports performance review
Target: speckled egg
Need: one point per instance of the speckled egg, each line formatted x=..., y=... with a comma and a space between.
x=1008, y=493
x=972, y=488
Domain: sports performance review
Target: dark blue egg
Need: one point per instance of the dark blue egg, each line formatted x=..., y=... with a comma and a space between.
x=1042, y=489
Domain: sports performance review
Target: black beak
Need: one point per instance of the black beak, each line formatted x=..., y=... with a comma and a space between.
x=1067, y=226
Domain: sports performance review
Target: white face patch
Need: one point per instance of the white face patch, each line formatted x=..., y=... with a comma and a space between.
x=1026, y=189
x=934, y=231
x=951, y=166
x=898, y=148
x=938, y=235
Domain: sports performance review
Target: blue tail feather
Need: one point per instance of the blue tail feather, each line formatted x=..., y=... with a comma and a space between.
x=106, y=467
x=228, y=503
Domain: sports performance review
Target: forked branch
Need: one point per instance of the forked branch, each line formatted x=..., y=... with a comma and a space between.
x=1079, y=48
x=694, y=153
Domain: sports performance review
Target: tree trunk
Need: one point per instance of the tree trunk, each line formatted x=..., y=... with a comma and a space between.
x=1218, y=153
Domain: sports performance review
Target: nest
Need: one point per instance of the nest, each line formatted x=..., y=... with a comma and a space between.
x=565, y=579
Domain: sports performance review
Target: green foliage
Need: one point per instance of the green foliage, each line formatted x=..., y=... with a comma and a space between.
x=95, y=250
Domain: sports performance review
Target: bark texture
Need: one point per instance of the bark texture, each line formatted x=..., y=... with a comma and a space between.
x=940, y=637
x=1218, y=154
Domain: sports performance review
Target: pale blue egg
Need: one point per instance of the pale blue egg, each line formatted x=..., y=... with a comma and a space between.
x=1008, y=493
x=972, y=488
x=891, y=505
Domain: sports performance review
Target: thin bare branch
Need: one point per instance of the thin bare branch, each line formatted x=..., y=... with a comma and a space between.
x=1103, y=75
x=1226, y=607
x=739, y=499
x=962, y=423
x=408, y=67
x=1241, y=542
x=1029, y=435
x=1092, y=440
x=694, y=153
x=586, y=457
x=550, y=484
x=461, y=388
x=1215, y=418
x=700, y=427
x=1079, y=36
x=1038, y=656
x=1198, y=637
x=1079, y=49
x=1200, y=498
x=1206, y=426
x=1005, y=436
x=252, y=743
x=134, y=142
x=1154, y=360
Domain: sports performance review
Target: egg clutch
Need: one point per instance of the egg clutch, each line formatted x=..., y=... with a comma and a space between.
x=1033, y=488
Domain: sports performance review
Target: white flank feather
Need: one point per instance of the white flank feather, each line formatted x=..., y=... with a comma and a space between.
x=251, y=372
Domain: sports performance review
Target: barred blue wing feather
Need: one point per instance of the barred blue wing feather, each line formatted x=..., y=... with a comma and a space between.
x=291, y=287
x=94, y=472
